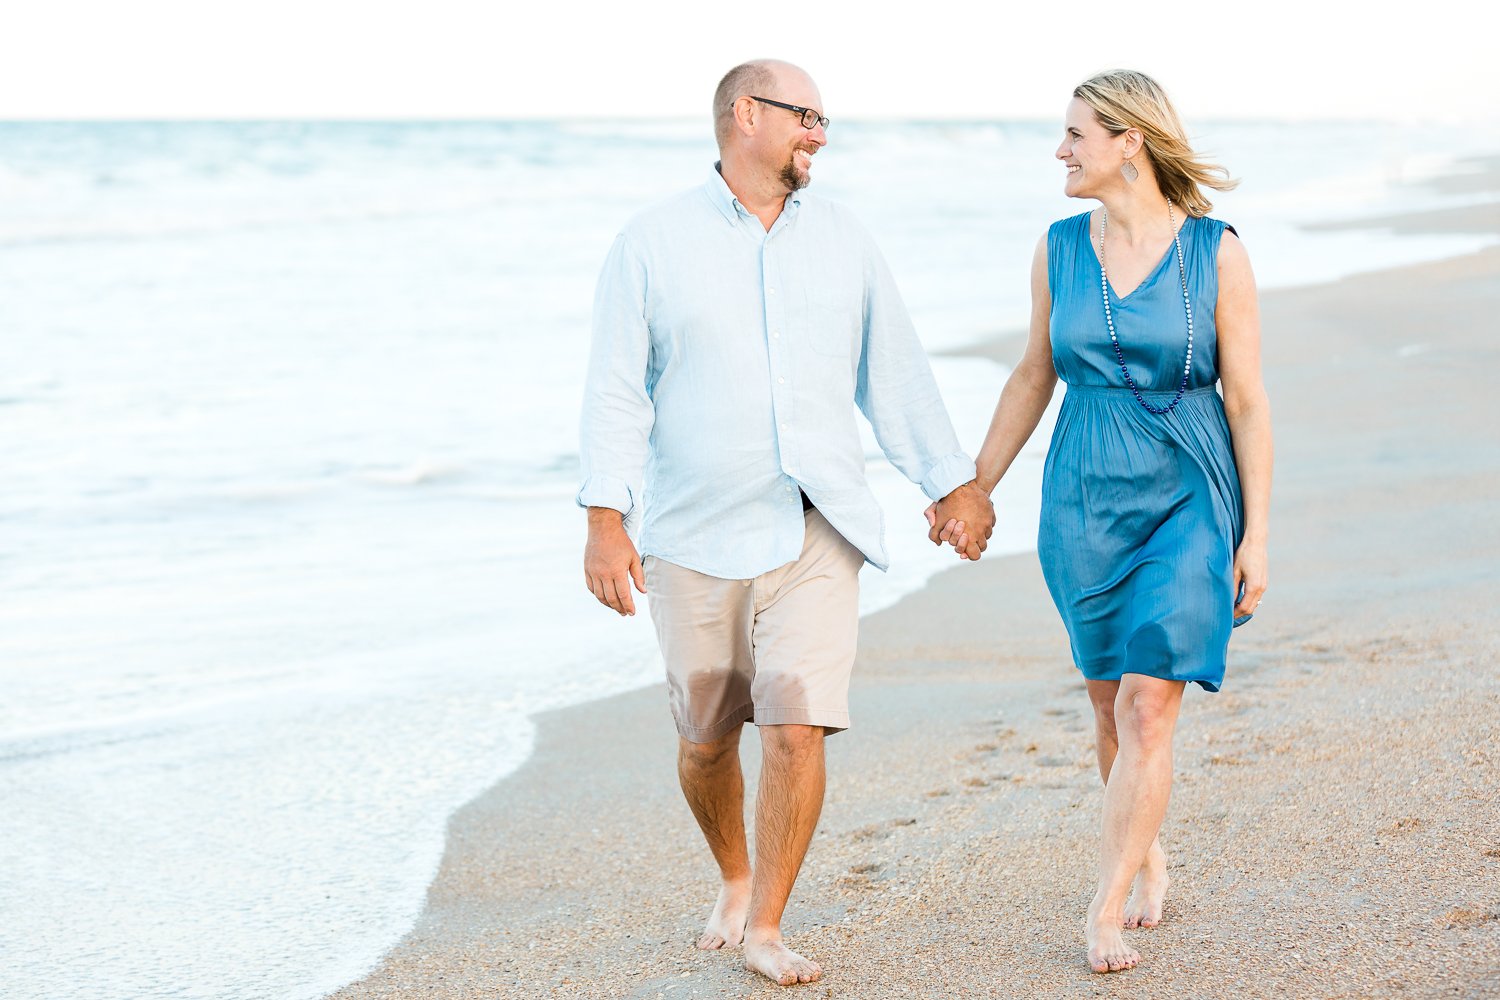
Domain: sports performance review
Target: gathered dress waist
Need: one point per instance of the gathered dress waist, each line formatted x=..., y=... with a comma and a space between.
x=1125, y=391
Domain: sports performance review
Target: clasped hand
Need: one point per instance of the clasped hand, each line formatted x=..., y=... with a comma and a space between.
x=964, y=519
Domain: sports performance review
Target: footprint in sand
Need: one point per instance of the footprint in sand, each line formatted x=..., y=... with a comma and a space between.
x=879, y=831
x=1469, y=916
x=860, y=876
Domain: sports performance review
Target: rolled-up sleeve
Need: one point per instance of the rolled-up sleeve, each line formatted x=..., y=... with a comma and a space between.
x=618, y=413
x=897, y=393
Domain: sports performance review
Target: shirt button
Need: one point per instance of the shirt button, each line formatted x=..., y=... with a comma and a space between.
x=783, y=426
x=772, y=290
x=781, y=381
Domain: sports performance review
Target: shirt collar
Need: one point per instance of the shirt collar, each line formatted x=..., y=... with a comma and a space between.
x=729, y=206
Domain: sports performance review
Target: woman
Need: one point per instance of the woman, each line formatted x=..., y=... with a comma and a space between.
x=1156, y=491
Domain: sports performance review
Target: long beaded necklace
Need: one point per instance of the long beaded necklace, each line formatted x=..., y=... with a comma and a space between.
x=1109, y=318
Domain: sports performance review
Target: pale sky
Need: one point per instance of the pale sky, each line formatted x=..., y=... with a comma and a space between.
x=1428, y=61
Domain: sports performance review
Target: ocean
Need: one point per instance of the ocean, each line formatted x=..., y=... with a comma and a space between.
x=288, y=552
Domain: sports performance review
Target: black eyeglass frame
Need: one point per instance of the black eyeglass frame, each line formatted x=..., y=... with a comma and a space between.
x=817, y=117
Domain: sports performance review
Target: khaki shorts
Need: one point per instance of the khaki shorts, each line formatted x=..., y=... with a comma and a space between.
x=775, y=650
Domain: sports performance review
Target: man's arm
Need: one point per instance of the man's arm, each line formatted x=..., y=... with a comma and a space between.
x=616, y=428
x=898, y=394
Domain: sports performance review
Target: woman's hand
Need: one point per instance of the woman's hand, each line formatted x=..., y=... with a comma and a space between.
x=1250, y=572
x=953, y=532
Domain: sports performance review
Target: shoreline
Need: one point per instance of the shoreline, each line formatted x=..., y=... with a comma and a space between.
x=977, y=750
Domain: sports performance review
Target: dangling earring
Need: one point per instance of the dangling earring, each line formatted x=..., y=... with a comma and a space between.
x=1128, y=170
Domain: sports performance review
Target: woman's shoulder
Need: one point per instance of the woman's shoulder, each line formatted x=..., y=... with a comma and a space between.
x=1062, y=246
x=1214, y=226
x=1206, y=239
x=1212, y=246
x=1071, y=225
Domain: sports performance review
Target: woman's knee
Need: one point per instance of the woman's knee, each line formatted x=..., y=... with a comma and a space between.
x=1102, y=695
x=1147, y=717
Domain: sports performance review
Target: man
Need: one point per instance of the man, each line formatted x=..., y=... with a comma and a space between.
x=735, y=327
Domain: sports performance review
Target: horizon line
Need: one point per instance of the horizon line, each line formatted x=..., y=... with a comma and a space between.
x=437, y=119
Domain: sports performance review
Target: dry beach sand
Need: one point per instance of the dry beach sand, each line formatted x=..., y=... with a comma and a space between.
x=1335, y=826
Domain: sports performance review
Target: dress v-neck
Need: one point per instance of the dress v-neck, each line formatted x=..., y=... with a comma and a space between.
x=1150, y=276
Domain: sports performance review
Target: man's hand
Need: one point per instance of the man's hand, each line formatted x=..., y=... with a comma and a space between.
x=964, y=518
x=610, y=561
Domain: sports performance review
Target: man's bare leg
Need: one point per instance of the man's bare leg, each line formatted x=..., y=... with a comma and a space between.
x=1135, y=800
x=715, y=789
x=786, y=813
x=1148, y=898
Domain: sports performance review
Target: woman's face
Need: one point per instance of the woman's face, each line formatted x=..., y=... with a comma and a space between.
x=1092, y=156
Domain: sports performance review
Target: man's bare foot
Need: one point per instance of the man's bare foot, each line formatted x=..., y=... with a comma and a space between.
x=726, y=925
x=1145, y=906
x=1108, y=951
x=767, y=955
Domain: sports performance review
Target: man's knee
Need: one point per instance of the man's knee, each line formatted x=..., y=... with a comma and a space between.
x=793, y=741
x=710, y=754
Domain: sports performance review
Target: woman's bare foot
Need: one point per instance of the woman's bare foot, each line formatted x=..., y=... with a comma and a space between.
x=1108, y=951
x=1145, y=906
x=726, y=925
x=766, y=954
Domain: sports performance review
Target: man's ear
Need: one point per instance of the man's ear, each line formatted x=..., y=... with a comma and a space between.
x=744, y=115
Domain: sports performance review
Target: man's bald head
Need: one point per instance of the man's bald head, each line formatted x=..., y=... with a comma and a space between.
x=757, y=78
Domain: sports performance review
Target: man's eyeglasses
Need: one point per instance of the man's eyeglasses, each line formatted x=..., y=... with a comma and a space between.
x=810, y=118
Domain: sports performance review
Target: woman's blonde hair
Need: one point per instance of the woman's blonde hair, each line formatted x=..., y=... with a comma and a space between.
x=1124, y=99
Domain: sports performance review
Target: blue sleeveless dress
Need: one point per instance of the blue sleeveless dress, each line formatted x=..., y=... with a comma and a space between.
x=1141, y=513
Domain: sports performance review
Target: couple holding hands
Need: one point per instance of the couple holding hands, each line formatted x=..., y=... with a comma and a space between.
x=734, y=326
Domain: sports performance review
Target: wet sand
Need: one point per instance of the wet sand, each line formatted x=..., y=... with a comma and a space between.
x=1335, y=825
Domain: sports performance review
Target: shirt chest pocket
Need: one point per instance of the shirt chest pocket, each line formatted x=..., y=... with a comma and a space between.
x=833, y=326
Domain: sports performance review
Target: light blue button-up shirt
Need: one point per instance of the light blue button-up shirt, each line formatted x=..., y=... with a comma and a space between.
x=727, y=362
